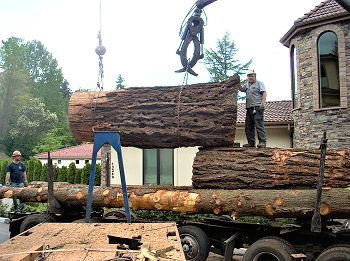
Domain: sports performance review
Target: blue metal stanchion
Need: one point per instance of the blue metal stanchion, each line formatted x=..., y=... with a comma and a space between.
x=113, y=139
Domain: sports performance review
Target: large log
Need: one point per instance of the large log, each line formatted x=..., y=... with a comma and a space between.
x=187, y=200
x=241, y=168
x=159, y=117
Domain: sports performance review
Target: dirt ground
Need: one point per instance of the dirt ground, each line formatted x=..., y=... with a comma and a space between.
x=89, y=241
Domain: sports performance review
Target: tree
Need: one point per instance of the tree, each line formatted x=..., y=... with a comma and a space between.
x=220, y=63
x=62, y=175
x=30, y=169
x=37, y=170
x=3, y=171
x=119, y=82
x=44, y=170
x=71, y=173
x=97, y=180
x=85, y=175
x=77, y=177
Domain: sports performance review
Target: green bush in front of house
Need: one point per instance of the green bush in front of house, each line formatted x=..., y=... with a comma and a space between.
x=62, y=174
x=77, y=177
x=44, y=170
x=37, y=170
x=97, y=181
x=30, y=169
x=71, y=173
x=4, y=164
x=85, y=175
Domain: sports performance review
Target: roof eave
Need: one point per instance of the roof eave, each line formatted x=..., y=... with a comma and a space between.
x=297, y=27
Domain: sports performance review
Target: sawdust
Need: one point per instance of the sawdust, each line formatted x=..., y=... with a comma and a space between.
x=82, y=241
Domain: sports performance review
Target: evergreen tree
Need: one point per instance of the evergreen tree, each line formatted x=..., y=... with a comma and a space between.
x=97, y=181
x=119, y=82
x=3, y=171
x=56, y=171
x=71, y=173
x=37, y=170
x=30, y=169
x=62, y=175
x=44, y=170
x=85, y=175
x=77, y=177
x=220, y=63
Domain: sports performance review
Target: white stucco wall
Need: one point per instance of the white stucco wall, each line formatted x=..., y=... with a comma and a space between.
x=132, y=161
x=66, y=162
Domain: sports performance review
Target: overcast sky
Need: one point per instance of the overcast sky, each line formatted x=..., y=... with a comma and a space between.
x=141, y=37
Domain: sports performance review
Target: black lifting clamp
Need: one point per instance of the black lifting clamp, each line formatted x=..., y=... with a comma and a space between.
x=193, y=32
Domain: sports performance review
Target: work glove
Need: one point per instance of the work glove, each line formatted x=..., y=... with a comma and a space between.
x=262, y=106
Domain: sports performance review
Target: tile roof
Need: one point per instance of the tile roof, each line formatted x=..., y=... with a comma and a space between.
x=83, y=150
x=275, y=112
x=325, y=10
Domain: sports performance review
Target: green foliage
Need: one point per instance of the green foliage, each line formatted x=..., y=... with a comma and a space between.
x=71, y=173
x=77, y=177
x=37, y=170
x=35, y=206
x=119, y=82
x=97, y=181
x=85, y=175
x=44, y=170
x=255, y=220
x=3, y=208
x=30, y=169
x=56, y=172
x=160, y=215
x=3, y=171
x=62, y=174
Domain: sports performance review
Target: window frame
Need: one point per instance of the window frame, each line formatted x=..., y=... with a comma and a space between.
x=295, y=79
x=158, y=166
x=342, y=67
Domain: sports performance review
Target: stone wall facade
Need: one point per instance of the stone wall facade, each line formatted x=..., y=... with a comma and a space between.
x=310, y=121
x=105, y=165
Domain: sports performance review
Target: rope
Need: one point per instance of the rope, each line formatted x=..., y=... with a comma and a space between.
x=184, y=83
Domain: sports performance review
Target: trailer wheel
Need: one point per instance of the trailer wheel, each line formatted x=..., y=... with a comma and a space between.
x=269, y=249
x=195, y=243
x=335, y=253
x=36, y=219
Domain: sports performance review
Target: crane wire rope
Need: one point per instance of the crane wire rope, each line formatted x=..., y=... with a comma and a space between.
x=100, y=50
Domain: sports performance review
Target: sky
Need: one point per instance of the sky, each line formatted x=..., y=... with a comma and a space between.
x=141, y=38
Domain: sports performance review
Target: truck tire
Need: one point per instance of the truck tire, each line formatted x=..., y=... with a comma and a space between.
x=335, y=253
x=271, y=249
x=36, y=219
x=195, y=243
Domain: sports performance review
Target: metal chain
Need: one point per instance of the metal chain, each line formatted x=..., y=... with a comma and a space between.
x=184, y=83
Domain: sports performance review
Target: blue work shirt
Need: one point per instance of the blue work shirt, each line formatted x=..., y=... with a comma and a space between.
x=16, y=171
x=254, y=93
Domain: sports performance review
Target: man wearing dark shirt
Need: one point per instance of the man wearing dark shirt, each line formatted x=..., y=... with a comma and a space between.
x=16, y=176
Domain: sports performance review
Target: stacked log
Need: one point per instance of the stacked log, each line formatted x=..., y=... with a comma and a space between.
x=268, y=168
x=159, y=117
x=187, y=200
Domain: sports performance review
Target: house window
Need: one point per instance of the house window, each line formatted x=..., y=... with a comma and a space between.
x=58, y=161
x=86, y=161
x=76, y=162
x=294, y=77
x=328, y=70
x=158, y=166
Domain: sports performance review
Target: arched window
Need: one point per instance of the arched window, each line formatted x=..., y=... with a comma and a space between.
x=328, y=70
x=294, y=68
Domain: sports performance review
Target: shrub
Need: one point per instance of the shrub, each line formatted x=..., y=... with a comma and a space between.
x=37, y=170
x=56, y=171
x=97, y=181
x=44, y=170
x=3, y=171
x=85, y=175
x=30, y=169
x=62, y=175
x=77, y=177
x=71, y=173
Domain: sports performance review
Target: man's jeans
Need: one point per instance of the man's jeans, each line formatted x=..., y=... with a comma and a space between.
x=255, y=119
x=21, y=205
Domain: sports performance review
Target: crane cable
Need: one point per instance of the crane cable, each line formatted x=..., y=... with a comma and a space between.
x=100, y=51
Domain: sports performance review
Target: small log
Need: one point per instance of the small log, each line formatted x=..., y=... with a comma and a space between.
x=268, y=168
x=159, y=117
x=187, y=200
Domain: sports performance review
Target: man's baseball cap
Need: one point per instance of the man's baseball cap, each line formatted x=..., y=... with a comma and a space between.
x=251, y=71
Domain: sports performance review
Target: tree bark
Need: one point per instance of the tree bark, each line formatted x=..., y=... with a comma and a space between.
x=159, y=117
x=241, y=168
x=187, y=200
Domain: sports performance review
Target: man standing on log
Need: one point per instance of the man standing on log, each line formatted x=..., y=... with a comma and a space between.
x=16, y=176
x=255, y=105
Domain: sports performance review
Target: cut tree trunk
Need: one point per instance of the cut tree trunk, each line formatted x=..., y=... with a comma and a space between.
x=241, y=168
x=187, y=200
x=159, y=117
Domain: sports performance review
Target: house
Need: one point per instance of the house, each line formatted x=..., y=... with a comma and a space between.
x=320, y=76
x=80, y=155
x=174, y=166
